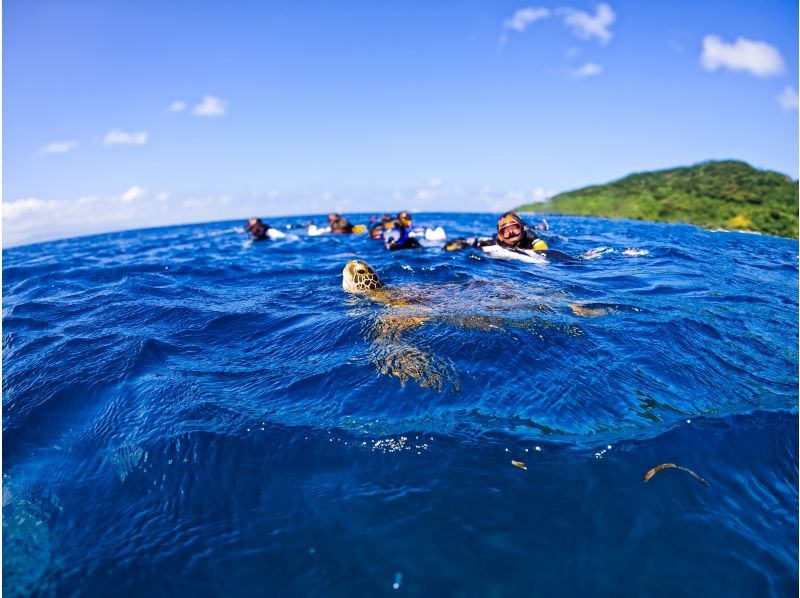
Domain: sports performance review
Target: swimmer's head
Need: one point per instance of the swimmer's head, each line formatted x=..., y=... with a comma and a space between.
x=360, y=277
x=256, y=227
x=376, y=232
x=395, y=234
x=405, y=218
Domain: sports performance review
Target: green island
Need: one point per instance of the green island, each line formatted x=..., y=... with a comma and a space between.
x=727, y=194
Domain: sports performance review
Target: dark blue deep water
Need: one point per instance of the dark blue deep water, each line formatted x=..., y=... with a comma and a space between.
x=189, y=413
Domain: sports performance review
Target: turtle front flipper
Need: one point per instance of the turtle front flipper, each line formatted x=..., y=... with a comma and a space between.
x=407, y=362
x=394, y=356
x=592, y=311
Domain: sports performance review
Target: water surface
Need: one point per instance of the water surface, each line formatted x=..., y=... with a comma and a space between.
x=188, y=412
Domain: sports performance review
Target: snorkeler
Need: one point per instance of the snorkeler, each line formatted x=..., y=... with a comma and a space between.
x=513, y=236
x=378, y=225
x=257, y=229
x=512, y=233
x=426, y=232
x=396, y=237
x=339, y=224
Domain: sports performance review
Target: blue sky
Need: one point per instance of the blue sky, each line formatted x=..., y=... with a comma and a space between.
x=128, y=114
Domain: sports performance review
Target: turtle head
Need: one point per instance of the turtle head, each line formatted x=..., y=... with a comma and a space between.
x=360, y=277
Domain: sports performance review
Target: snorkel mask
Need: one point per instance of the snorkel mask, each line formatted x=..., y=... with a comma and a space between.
x=392, y=237
x=395, y=236
x=376, y=232
x=256, y=228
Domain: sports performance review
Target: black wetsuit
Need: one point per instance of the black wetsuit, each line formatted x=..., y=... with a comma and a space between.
x=396, y=237
x=258, y=231
x=407, y=243
x=526, y=243
x=341, y=226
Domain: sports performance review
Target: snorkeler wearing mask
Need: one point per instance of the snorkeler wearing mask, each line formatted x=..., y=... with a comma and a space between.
x=257, y=229
x=405, y=219
x=512, y=233
x=514, y=240
x=396, y=237
x=378, y=226
x=339, y=224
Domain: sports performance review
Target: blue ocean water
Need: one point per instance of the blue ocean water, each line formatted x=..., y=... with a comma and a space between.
x=186, y=412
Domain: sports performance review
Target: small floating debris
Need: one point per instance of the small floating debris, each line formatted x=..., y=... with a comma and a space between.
x=398, y=579
x=658, y=468
x=519, y=464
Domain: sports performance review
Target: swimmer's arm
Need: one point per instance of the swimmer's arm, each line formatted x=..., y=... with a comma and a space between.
x=468, y=242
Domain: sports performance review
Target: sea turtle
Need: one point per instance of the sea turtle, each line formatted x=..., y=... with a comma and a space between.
x=391, y=353
x=408, y=308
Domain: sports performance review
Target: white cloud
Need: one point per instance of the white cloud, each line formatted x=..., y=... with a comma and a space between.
x=177, y=106
x=32, y=219
x=788, y=98
x=590, y=69
x=87, y=200
x=210, y=106
x=588, y=26
x=119, y=137
x=59, y=147
x=524, y=17
x=540, y=194
x=757, y=58
x=13, y=210
x=163, y=196
x=498, y=201
x=132, y=194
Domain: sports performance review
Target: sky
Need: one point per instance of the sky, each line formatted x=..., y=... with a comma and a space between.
x=122, y=115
